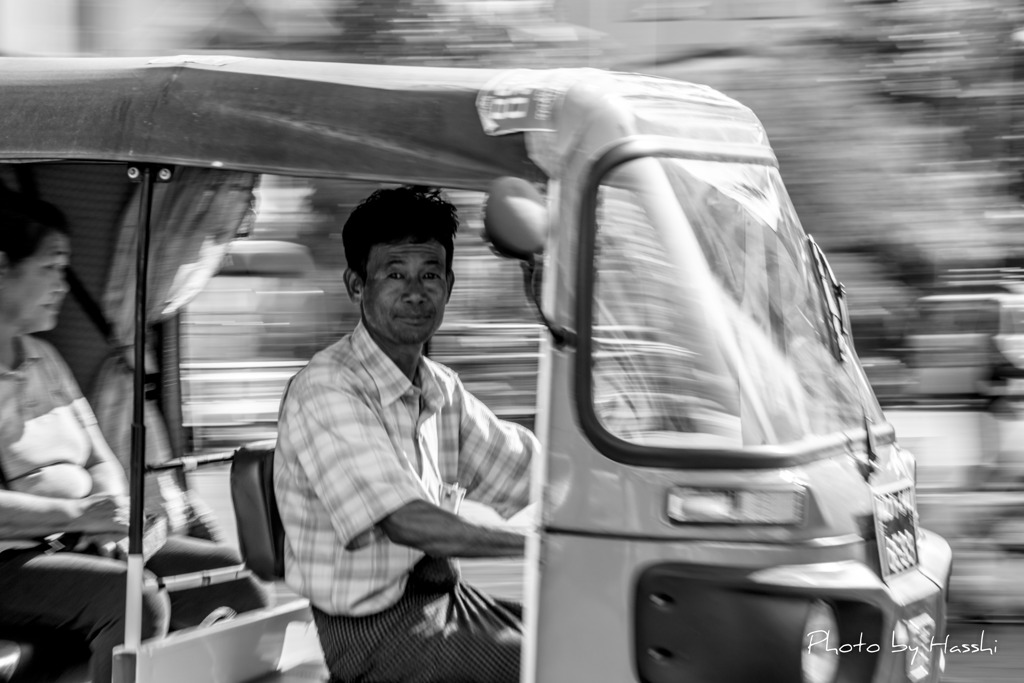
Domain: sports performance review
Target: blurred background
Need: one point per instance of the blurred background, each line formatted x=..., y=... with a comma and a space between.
x=900, y=134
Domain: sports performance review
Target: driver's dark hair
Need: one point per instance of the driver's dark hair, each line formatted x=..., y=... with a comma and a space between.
x=400, y=214
x=24, y=223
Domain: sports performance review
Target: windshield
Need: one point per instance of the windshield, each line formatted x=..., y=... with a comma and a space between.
x=709, y=320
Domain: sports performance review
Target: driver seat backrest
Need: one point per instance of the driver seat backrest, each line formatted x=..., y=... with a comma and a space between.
x=12, y=656
x=260, y=532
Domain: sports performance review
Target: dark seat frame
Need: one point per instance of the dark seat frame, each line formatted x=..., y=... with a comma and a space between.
x=260, y=532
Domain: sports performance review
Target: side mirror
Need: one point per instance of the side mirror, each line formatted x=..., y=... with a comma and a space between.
x=515, y=218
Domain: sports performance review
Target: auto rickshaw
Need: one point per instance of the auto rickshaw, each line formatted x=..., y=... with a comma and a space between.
x=720, y=497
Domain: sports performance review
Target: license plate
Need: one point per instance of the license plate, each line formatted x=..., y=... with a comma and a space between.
x=896, y=527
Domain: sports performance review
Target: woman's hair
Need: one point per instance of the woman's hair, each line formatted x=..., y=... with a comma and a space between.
x=410, y=213
x=24, y=223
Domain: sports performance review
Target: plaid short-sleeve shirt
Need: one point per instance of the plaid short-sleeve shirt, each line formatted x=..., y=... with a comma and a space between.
x=356, y=441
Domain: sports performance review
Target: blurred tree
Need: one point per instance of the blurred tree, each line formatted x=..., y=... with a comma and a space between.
x=380, y=29
x=456, y=31
x=883, y=153
x=957, y=57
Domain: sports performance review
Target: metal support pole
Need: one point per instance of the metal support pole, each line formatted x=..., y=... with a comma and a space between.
x=137, y=471
x=147, y=177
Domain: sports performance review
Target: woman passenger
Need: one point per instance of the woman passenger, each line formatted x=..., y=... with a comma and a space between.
x=63, y=493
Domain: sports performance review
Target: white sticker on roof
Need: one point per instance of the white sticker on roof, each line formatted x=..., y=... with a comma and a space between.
x=524, y=100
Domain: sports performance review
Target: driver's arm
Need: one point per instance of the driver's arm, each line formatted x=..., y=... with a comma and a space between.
x=330, y=441
x=439, y=533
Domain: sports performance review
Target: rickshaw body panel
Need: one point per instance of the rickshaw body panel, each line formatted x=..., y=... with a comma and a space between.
x=279, y=645
x=734, y=610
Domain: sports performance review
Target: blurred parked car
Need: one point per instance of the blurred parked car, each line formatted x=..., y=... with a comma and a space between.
x=961, y=341
x=964, y=419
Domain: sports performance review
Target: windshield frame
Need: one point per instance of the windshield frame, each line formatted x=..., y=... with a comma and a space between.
x=612, y=446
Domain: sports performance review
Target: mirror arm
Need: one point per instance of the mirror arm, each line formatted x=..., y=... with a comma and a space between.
x=561, y=336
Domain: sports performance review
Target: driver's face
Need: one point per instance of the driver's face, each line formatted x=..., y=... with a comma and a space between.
x=405, y=293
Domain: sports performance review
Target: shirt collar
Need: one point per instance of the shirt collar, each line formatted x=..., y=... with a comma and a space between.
x=29, y=352
x=430, y=383
x=391, y=382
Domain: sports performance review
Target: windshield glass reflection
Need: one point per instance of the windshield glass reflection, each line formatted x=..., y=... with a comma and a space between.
x=709, y=326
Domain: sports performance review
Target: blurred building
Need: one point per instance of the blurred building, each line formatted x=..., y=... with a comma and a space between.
x=641, y=31
x=646, y=32
x=315, y=29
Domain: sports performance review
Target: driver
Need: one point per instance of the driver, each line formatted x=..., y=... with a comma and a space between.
x=376, y=446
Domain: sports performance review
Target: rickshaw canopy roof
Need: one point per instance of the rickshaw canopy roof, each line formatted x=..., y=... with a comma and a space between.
x=414, y=124
x=371, y=122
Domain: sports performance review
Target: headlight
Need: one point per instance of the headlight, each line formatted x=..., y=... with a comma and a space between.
x=819, y=662
x=695, y=505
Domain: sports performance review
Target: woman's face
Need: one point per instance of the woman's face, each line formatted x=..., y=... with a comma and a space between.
x=32, y=291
